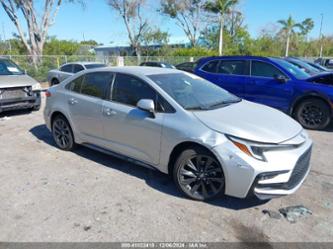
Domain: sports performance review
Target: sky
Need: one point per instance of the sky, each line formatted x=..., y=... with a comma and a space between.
x=98, y=22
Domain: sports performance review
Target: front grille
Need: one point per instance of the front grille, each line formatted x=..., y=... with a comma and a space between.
x=13, y=93
x=300, y=169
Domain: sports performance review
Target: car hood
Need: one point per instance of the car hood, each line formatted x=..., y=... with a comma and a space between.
x=319, y=75
x=251, y=121
x=16, y=80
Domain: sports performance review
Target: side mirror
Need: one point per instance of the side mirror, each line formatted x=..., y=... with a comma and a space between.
x=280, y=78
x=147, y=105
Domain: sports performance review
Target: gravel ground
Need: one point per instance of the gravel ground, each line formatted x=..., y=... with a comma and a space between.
x=55, y=196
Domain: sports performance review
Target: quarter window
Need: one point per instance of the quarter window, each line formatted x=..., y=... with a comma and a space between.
x=96, y=84
x=210, y=67
x=263, y=69
x=67, y=68
x=129, y=90
x=234, y=67
x=75, y=85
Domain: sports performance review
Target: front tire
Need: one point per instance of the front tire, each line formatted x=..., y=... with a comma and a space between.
x=313, y=114
x=198, y=174
x=62, y=133
x=54, y=82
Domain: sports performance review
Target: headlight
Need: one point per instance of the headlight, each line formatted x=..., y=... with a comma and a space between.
x=36, y=87
x=255, y=149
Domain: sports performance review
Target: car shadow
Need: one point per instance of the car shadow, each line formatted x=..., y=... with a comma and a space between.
x=153, y=178
x=15, y=113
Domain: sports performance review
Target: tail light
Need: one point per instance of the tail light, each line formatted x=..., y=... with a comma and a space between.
x=48, y=94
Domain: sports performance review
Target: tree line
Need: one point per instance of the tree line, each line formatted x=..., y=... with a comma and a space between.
x=212, y=27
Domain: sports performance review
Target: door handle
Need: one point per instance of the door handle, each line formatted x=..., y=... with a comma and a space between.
x=109, y=112
x=72, y=101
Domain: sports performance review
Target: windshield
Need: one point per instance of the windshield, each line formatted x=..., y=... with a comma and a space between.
x=91, y=66
x=294, y=70
x=8, y=67
x=193, y=92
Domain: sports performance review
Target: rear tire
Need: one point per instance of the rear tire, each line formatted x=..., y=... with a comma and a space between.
x=62, y=133
x=36, y=108
x=313, y=114
x=198, y=174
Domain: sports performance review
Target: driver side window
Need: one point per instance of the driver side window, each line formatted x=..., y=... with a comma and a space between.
x=263, y=69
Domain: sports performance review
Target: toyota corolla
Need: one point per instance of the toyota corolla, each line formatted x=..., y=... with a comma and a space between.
x=212, y=142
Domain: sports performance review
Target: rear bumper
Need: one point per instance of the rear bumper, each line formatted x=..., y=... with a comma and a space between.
x=20, y=103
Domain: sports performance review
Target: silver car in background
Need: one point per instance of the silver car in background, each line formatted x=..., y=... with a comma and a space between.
x=211, y=142
x=17, y=89
x=55, y=76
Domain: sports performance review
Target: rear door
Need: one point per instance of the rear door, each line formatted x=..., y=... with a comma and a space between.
x=265, y=89
x=209, y=71
x=233, y=75
x=85, y=103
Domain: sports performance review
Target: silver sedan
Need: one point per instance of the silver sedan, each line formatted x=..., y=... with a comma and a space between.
x=212, y=142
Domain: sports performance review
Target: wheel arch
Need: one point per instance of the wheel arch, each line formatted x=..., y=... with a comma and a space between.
x=179, y=148
x=309, y=95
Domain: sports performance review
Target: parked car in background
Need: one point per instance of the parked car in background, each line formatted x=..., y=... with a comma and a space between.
x=273, y=82
x=318, y=66
x=303, y=66
x=186, y=66
x=157, y=64
x=211, y=142
x=17, y=89
x=55, y=76
x=326, y=62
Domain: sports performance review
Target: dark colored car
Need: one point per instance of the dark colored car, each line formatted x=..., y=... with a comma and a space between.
x=303, y=66
x=273, y=82
x=17, y=89
x=186, y=66
x=326, y=62
x=157, y=64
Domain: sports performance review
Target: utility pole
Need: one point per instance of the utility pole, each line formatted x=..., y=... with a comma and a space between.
x=321, y=36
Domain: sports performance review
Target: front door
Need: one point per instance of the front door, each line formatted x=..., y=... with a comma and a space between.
x=128, y=130
x=264, y=88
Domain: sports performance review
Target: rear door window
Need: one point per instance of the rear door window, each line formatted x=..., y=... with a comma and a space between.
x=78, y=68
x=210, y=67
x=233, y=67
x=75, y=85
x=96, y=84
x=67, y=68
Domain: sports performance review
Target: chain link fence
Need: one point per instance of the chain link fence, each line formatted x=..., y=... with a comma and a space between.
x=49, y=62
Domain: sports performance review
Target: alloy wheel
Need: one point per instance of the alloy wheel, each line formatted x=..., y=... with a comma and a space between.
x=201, y=177
x=62, y=133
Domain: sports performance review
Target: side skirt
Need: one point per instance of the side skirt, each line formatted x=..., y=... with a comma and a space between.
x=120, y=156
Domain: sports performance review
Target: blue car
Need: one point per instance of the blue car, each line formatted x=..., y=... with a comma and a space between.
x=276, y=83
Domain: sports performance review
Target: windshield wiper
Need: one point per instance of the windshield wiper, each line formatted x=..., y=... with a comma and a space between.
x=224, y=103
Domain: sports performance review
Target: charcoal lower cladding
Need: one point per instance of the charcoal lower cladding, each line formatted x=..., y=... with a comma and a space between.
x=302, y=166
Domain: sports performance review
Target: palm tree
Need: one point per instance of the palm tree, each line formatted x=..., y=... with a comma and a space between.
x=288, y=27
x=221, y=7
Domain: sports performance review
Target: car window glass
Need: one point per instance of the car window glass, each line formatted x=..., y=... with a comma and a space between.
x=67, y=68
x=129, y=90
x=75, y=85
x=78, y=68
x=234, y=67
x=210, y=67
x=96, y=84
x=263, y=69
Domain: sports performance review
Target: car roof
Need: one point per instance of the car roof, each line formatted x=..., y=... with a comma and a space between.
x=137, y=70
x=238, y=57
x=83, y=63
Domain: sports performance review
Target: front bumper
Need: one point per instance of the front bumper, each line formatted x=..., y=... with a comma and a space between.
x=282, y=174
x=27, y=102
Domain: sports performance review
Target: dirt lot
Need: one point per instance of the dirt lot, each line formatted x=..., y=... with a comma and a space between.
x=50, y=195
